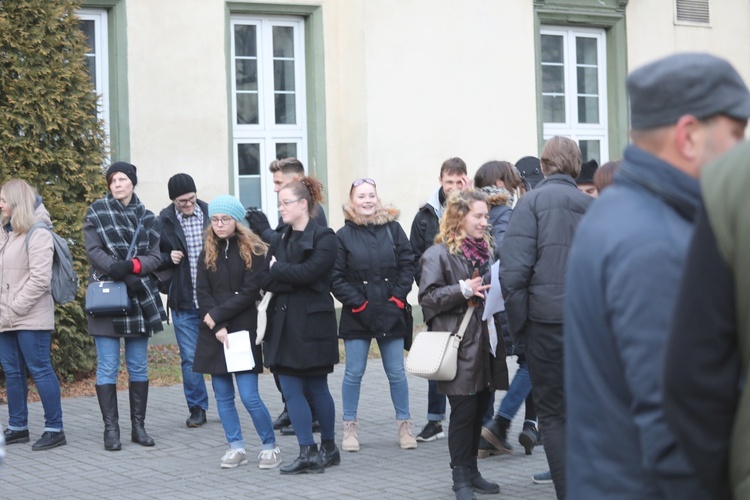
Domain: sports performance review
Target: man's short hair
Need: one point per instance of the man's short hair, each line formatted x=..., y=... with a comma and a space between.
x=287, y=166
x=453, y=166
x=561, y=155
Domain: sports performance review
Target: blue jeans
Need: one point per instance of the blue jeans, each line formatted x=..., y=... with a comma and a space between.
x=30, y=348
x=392, y=354
x=186, y=331
x=517, y=393
x=247, y=385
x=108, y=359
x=435, y=403
x=294, y=389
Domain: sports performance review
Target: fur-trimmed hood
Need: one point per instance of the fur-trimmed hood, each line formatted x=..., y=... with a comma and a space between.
x=497, y=196
x=383, y=215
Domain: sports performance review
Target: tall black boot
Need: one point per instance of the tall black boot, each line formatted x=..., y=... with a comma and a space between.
x=107, y=396
x=462, y=483
x=329, y=453
x=308, y=461
x=480, y=484
x=529, y=436
x=138, y=401
x=496, y=433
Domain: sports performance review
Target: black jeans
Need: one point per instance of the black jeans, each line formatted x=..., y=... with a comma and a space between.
x=465, y=428
x=544, y=353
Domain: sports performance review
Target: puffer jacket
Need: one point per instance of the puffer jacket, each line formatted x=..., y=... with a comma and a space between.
x=534, y=254
x=444, y=307
x=372, y=267
x=424, y=228
x=25, y=276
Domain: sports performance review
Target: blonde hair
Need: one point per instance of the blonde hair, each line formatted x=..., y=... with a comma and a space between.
x=249, y=242
x=20, y=198
x=561, y=155
x=457, y=207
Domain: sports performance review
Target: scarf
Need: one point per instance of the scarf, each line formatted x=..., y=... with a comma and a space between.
x=476, y=251
x=115, y=225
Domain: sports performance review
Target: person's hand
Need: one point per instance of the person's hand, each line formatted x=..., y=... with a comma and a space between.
x=176, y=256
x=477, y=286
x=466, y=182
x=134, y=283
x=208, y=320
x=223, y=337
x=271, y=262
x=257, y=220
x=119, y=269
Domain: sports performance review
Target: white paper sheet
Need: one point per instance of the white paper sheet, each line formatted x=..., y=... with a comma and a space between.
x=239, y=354
x=494, y=302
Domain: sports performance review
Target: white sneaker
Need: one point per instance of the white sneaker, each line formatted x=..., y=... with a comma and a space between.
x=269, y=459
x=233, y=458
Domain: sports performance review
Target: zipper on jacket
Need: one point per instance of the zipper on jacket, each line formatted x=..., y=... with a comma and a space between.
x=226, y=249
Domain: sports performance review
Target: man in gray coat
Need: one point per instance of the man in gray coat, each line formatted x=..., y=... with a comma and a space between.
x=532, y=276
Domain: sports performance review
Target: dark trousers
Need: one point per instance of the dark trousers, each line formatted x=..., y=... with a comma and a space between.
x=295, y=390
x=544, y=353
x=283, y=399
x=466, y=427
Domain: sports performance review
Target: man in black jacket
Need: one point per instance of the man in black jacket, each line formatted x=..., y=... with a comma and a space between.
x=424, y=228
x=182, y=225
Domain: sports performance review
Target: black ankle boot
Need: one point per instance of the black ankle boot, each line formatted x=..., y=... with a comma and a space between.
x=329, y=453
x=107, y=396
x=496, y=433
x=462, y=484
x=480, y=484
x=308, y=461
x=529, y=437
x=138, y=400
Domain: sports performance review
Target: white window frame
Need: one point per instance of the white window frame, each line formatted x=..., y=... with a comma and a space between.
x=101, y=66
x=571, y=128
x=267, y=133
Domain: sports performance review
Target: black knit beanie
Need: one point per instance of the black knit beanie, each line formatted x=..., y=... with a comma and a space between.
x=125, y=168
x=180, y=184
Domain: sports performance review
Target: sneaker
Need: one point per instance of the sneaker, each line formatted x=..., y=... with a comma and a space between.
x=49, y=440
x=197, y=417
x=405, y=436
x=16, y=436
x=542, y=478
x=431, y=432
x=351, y=441
x=269, y=459
x=233, y=458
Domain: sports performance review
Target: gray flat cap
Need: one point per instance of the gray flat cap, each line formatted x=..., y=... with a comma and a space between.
x=695, y=84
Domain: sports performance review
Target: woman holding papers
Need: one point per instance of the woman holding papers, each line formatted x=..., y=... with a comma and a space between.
x=301, y=344
x=228, y=284
x=455, y=276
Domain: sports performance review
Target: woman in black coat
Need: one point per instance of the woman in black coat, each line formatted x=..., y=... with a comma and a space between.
x=373, y=274
x=301, y=345
x=228, y=284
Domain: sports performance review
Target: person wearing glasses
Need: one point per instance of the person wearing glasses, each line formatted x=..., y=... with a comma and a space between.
x=300, y=344
x=373, y=275
x=228, y=285
x=111, y=225
x=182, y=225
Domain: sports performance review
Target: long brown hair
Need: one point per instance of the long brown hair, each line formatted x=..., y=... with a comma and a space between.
x=249, y=242
x=457, y=207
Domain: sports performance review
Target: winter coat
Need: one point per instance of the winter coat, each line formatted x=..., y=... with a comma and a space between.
x=444, y=307
x=301, y=332
x=25, y=276
x=180, y=296
x=624, y=270
x=372, y=266
x=424, y=228
x=535, y=251
x=228, y=294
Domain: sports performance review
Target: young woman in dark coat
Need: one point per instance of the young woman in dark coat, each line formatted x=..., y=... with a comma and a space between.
x=373, y=274
x=301, y=344
x=228, y=284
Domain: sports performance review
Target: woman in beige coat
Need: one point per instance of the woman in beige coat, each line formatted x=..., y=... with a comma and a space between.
x=27, y=313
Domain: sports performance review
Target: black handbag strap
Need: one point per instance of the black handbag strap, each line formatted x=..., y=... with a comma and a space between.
x=131, y=248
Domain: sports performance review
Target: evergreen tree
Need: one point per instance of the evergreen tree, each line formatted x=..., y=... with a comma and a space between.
x=51, y=137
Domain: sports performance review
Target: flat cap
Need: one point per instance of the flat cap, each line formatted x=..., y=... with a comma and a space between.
x=695, y=84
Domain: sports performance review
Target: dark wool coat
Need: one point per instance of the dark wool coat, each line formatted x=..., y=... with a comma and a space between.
x=301, y=333
x=228, y=294
x=372, y=268
x=180, y=296
x=444, y=307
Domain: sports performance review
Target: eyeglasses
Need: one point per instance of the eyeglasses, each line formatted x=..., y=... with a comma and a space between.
x=221, y=220
x=367, y=180
x=288, y=202
x=187, y=201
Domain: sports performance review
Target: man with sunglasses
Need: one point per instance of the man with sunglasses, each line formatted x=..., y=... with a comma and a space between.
x=182, y=224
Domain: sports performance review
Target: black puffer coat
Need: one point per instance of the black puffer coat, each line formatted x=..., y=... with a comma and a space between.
x=372, y=266
x=228, y=294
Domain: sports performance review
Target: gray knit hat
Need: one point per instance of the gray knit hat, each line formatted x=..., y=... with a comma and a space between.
x=226, y=204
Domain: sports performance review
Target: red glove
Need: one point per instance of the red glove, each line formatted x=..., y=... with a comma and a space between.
x=136, y=266
x=398, y=303
x=360, y=308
